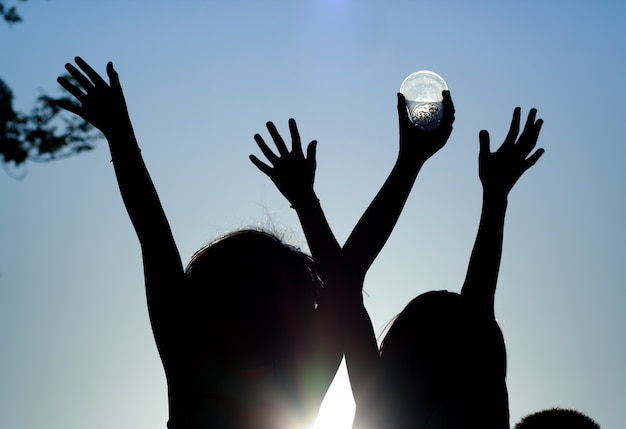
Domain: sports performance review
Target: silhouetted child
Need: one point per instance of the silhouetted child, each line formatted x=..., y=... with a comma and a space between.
x=443, y=360
x=243, y=332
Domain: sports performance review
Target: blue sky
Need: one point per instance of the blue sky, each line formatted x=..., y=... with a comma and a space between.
x=202, y=77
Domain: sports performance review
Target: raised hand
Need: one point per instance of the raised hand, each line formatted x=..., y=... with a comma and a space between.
x=100, y=103
x=418, y=144
x=500, y=170
x=292, y=172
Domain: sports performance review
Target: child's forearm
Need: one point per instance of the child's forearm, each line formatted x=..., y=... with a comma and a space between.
x=322, y=242
x=376, y=224
x=484, y=265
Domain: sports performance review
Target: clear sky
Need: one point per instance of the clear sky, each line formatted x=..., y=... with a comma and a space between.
x=202, y=77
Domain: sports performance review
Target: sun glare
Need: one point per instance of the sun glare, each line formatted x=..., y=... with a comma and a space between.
x=337, y=410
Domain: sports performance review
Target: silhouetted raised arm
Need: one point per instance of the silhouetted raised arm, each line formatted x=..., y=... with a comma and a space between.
x=346, y=327
x=293, y=173
x=498, y=171
x=416, y=146
x=103, y=105
x=343, y=269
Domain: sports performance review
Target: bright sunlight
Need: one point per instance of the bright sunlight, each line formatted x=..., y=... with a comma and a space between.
x=337, y=410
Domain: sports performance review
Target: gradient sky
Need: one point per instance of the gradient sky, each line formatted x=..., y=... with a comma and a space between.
x=202, y=77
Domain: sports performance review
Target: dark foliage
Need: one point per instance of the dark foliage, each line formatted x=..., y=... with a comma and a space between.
x=42, y=135
x=9, y=14
x=45, y=133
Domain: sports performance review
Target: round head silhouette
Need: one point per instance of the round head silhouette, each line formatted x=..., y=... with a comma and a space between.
x=419, y=359
x=251, y=285
x=253, y=307
x=440, y=366
x=557, y=418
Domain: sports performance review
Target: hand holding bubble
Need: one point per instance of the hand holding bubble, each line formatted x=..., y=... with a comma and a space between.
x=422, y=91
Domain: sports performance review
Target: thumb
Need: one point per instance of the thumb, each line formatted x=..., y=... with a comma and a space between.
x=311, y=151
x=114, y=78
x=483, y=138
x=403, y=113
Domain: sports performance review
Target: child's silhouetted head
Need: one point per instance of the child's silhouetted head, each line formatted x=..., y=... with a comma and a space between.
x=557, y=418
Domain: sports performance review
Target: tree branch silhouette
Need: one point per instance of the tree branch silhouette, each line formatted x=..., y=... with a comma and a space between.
x=44, y=134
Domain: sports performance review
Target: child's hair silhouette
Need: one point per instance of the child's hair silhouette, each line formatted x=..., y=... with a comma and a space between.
x=249, y=285
x=441, y=364
x=249, y=319
x=249, y=261
x=557, y=418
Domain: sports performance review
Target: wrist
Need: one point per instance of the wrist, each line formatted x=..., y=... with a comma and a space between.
x=495, y=196
x=305, y=201
x=123, y=146
x=410, y=159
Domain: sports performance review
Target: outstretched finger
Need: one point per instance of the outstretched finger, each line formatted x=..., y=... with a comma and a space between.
x=278, y=140
x=514, y=129
x=114, y=78
x=80, y=78
x=271, y=157
x=77, y=93
x=296, y=143
x=311, y=151
x=261, y=165
x=528, y=139
x=483, y=139
x=448, y=104
x=66, y=104
x=448, y=110
x=403, y=112
x=530, y=121
x=530, y=161
x=90, y=72
x=537, y=128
